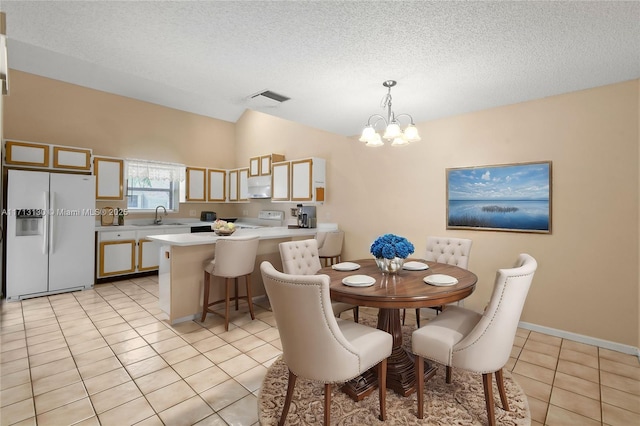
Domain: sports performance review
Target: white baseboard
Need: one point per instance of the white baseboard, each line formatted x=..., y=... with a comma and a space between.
x=618, y=347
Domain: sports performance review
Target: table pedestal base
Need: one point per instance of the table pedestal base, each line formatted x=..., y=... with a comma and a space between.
x=400, y=364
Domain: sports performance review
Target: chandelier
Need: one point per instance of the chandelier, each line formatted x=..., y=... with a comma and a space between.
x=392, y=131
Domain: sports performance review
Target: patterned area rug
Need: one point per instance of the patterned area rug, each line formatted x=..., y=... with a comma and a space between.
x=458, y=403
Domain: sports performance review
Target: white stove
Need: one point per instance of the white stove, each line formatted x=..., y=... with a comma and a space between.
x=265, y=218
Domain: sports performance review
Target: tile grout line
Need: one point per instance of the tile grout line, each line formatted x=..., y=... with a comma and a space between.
x=160, y=355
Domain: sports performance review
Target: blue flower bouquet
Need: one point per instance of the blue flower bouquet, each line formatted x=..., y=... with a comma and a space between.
x=390, y=252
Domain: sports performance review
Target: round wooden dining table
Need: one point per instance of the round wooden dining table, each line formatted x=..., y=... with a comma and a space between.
x=390, y=293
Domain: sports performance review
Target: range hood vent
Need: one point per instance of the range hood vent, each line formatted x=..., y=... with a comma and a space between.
x=259, y=187
x=271, y=95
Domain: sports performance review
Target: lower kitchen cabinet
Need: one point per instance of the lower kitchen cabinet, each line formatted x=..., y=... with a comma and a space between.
x=130, y=252
x=116, y=253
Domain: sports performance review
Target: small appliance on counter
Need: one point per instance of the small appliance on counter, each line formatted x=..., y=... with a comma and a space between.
x=306, y=216
x=208, y=216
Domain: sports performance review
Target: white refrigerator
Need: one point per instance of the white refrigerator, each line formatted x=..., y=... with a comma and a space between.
x=50, y=243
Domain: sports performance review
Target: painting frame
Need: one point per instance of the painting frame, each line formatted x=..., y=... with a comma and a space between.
x=513, y=197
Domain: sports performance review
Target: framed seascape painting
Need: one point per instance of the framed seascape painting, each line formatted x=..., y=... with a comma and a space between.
x=508, y=197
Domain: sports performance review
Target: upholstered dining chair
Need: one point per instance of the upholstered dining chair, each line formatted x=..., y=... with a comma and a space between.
x=315, y=344
x=475, y=342
x=453, y=251
x=301, y=258
x=330, y=246
x=234, y=257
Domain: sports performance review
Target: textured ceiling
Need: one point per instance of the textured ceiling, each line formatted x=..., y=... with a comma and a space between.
x=329, y=57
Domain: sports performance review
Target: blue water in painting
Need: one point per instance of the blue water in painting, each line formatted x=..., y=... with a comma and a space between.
x=530, y=214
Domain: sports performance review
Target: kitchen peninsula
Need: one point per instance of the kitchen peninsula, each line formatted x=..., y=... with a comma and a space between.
x=182, y=258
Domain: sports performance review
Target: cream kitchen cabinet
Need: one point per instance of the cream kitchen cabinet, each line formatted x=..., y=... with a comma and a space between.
x=130, y=252
x=26, y=154
x=243, y=184
x=109, y=178
x=78, y=159
x=196, y=184
x=254, y=166
x=239, y=184
x=281, y=181
x=261, y=166
x=148, y=251
x=308, y=179
x=40, y=155
x=216, y=185
x=116, y=253
x=266, y=162
x=233, y=185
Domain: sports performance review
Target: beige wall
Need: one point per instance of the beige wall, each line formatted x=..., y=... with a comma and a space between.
x=587, y=282
x=39, y=109
x=588, y=278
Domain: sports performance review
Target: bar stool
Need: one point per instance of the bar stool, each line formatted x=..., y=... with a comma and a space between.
x=234, y=257
x=330, y=247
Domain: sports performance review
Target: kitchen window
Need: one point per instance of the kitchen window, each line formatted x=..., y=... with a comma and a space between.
x=151, y=184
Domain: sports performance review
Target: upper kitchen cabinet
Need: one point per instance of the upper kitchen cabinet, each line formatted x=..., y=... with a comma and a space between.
x=308, y=180
x=39, y=155
x=239, y=184
x=254, y=166
x=71, y=158
x=243, y=184
x=26, y=154
x=216, y=184
x=109, y=178
x=281, y=181
x=261, y=166
x=267, y=160
x=196, y=184
x=233, y=185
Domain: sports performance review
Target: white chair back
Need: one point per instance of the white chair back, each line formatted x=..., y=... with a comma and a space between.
x=453, y=251
x=488, y=346
x=330, y=243
x=234, y=256
x=313, y=345
x=300, y=257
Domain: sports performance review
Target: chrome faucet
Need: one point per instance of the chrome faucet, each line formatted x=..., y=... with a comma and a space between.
x=159, y=221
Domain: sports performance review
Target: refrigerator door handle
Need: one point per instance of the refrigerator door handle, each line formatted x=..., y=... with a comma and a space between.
x=45, y=218
x=51, y=215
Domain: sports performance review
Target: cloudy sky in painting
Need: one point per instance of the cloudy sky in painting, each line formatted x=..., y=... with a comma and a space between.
x=517, y=182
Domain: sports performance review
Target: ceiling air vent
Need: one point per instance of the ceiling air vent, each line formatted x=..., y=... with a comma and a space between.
x=271, y=95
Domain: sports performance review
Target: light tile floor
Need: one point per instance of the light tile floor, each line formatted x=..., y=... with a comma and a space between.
x=107, y=356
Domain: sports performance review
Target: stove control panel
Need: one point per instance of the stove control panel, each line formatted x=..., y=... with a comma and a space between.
x=271, y=215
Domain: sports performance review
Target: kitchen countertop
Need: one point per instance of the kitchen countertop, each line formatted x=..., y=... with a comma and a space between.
x=201, y=238
x=145, y=225
x=185, y=223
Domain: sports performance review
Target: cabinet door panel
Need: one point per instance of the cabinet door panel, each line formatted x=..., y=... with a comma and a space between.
x=254, y=166
x=243, y=184
x=196, y=181
x=117, y=257
x=217, y=181
x=301, y=180
x=280, y=181
x=265, y=165
x=233, y=185
x=27, y=154
x=109, y=178
x=71, y=158
x=148, y=255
